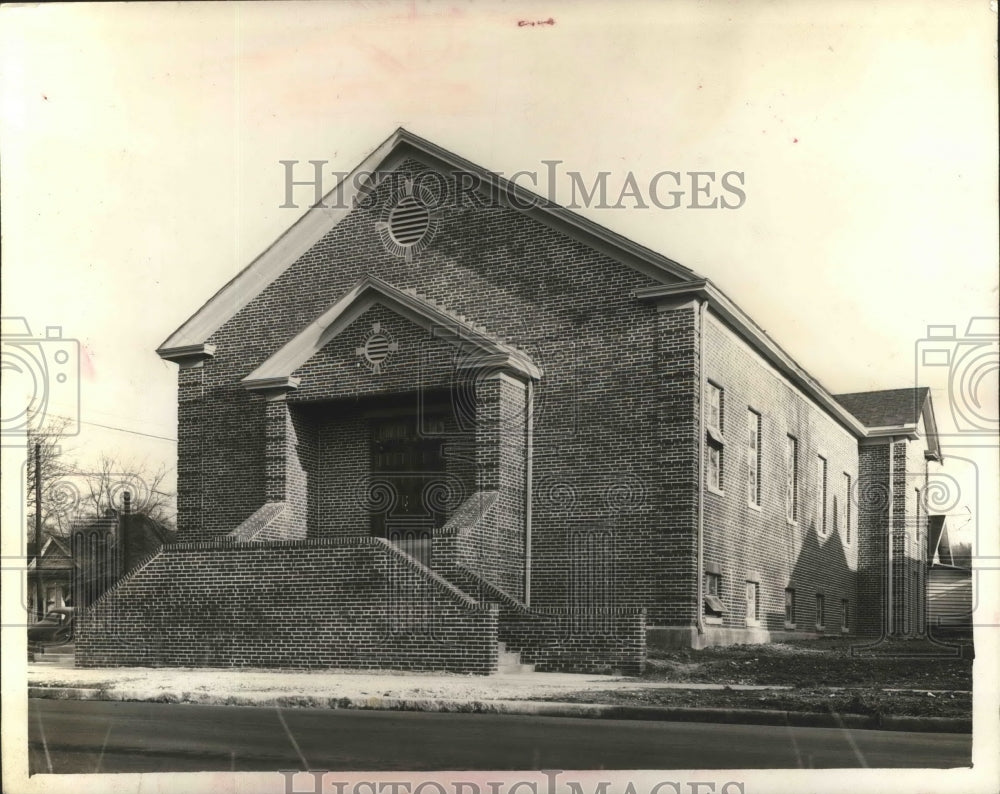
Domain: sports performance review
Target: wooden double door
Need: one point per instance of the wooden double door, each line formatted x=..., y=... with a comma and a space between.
x=408, y=471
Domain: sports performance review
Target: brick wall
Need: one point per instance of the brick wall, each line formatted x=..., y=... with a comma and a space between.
x=677, y=408
x=758, y=543
x=873, y=523
x=320, y=603
x=579, y=640
x=892, y=473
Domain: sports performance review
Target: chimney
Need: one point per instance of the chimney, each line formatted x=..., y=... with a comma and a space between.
x=124, y=525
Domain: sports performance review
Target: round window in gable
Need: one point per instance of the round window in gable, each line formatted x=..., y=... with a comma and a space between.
x=407, y=223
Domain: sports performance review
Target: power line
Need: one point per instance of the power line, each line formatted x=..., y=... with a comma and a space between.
x=126, y=430
x=120, y=429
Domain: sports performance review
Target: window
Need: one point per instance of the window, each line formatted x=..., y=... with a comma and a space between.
x=713, y=404
x=821, y=494
x=847, y=507
x=753, y=457
x=753, y=603
x=714, y=445
x=820, y=607
x=845, y=609
x=714, y=608
x=792, y=474
x=790, y=607
x=714, y=454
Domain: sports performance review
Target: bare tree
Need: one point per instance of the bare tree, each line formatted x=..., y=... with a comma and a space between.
x=109, y=481
x=71, y=492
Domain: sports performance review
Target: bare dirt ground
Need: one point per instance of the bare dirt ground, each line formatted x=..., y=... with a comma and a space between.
x=941, y=674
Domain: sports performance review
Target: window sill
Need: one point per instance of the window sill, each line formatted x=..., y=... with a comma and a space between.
x=752, y=506
x=713, y=621
x=845, y=630
x=792, y=522
x=753, y=624
x=790, y=626
x=716, y=491
x=820, y=628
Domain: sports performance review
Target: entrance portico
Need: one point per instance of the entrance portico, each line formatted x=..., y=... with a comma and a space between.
x=388, y=415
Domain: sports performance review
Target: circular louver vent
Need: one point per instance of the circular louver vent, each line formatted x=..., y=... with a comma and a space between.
x=377, y=349
x=409, y=221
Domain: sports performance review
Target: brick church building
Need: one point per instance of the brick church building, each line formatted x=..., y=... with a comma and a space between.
x=444, y=424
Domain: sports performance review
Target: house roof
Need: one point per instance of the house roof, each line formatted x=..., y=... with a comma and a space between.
x=54, y=549
x=938, y=543
x=889, y=411
x=275, y=374
x=887, y=407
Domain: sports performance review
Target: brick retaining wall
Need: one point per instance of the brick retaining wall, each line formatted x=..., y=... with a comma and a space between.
x=323, y=603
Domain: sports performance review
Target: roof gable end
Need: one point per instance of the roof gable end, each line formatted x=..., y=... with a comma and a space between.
x=187, y=343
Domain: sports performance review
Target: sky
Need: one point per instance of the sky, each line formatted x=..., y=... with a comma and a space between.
x=141, y=149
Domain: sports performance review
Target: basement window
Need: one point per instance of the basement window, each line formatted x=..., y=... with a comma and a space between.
x=789, y=607
x=753, y=603
x=712, y=589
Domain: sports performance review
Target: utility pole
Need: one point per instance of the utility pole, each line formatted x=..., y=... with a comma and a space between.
x=40, y=586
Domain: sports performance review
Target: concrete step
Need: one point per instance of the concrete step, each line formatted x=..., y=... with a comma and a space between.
x=509, y=662
x=53, y=654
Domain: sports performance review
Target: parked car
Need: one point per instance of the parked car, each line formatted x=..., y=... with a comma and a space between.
x=54, y=629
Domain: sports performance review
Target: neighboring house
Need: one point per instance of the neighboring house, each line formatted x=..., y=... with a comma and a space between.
x=412, y=431
x=76, y=570
x=949, y=587
x=50, y=578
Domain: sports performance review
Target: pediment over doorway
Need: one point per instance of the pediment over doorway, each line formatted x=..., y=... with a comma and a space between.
x=276, y=376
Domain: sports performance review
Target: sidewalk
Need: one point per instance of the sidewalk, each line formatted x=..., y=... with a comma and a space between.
x=540, y=694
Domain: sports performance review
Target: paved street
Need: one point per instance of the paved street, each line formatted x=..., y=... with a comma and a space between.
x=68, y=736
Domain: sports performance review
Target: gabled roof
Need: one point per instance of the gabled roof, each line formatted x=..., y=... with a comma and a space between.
x=53, y=548
x=938, y=542
x=188, y=345
x=895, y=412
x=885, y=408
x=276, y=372
x=188, y=341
